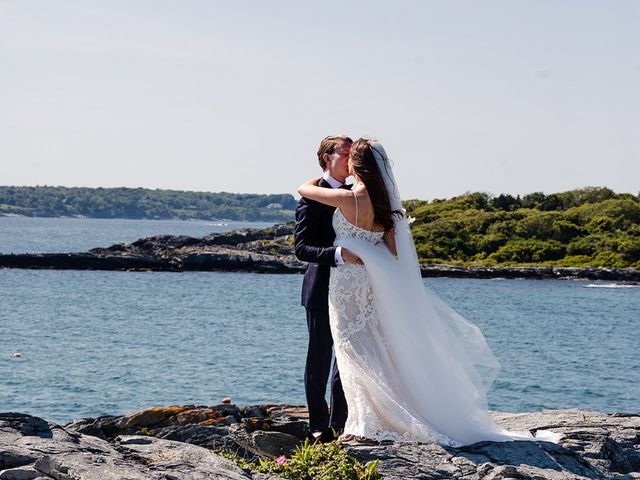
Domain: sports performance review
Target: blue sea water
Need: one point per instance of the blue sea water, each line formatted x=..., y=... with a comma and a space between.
x=96, y=343
x=47, y=235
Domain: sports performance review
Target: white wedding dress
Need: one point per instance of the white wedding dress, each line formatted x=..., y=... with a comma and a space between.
x=412, y=368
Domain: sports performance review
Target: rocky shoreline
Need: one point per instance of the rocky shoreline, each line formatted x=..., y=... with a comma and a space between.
x=268, y=250
x=179, y=442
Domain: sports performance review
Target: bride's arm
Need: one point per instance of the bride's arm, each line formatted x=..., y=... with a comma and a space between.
x=336, y=197
x=389, y=239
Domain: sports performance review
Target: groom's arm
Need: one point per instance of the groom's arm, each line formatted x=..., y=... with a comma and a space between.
x=306, y=235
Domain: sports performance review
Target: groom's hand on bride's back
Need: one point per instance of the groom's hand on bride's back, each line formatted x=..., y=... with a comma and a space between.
x=350, y=257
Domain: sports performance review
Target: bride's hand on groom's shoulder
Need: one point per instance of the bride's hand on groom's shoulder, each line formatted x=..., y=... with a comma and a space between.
x=350, y=257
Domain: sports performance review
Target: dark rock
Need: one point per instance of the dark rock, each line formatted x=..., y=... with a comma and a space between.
x=274, y=444
x=231, y=419
x=254, y=411
x=297, y=428
x=610, y=274
x=265, y=444
x=204, y=436
x=230, y=260
x=26, y=425
x=87, y=261
x=247, y=235
x=162, y=242
x=102, y=427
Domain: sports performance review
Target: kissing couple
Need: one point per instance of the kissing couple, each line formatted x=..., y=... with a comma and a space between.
x=407, y=367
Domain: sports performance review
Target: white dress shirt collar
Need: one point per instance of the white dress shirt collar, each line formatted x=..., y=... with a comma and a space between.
x=335, y=184
x=331, y=181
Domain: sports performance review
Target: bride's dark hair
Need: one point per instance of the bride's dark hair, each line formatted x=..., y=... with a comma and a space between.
x=365, y=166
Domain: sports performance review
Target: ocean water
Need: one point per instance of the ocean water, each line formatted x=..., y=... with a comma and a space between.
x=50, y=235
x=96, y=343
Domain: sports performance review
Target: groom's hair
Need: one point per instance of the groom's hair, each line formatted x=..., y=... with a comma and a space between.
x=328, y=145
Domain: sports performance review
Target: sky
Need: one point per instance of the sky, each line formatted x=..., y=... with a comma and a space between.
x=497, y=96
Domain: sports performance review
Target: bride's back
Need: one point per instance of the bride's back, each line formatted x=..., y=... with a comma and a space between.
x=362, y=206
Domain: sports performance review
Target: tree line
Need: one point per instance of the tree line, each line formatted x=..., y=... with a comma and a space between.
x=583, y=227
x=142, y=203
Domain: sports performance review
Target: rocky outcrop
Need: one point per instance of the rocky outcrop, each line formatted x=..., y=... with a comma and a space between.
x=630, y=275
x=31, y=448
x=176, y=442
x=267, y=250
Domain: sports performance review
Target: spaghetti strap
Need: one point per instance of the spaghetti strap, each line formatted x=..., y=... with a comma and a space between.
x=356, y=200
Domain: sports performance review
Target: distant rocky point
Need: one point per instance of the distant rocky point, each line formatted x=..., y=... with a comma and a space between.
x=176, y=443
x=266, y=250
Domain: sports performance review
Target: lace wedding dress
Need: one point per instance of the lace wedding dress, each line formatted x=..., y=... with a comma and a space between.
x=412, y=368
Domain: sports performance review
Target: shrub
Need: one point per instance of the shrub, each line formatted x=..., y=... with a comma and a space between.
x=312, y=461
x=529, y=251
x=491, y=242
x=629, y=249
x=608, y=259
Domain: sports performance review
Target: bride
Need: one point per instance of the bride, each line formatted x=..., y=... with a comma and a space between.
x=412, y=368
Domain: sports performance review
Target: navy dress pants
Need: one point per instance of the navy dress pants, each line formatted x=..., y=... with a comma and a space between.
x=316, y=375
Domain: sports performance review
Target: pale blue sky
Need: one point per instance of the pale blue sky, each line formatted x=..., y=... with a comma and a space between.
x=508, y=96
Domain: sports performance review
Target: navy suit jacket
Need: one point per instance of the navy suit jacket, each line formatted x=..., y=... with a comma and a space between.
x=314, y=238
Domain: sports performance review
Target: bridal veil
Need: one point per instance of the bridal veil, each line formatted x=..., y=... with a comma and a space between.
x=442, y=363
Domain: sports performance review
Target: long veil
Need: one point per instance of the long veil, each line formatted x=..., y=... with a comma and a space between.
x=442, y=361
x=464, y=338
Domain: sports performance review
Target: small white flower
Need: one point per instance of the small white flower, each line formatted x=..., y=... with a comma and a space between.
x=410, y=220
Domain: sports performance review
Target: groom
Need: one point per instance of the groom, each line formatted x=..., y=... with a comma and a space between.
x=314, y=238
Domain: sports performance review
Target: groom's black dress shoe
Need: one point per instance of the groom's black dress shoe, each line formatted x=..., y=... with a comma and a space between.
x=329, y=435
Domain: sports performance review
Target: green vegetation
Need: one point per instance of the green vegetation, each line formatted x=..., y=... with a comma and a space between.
x=144, y=203
x=313, y=461
x=586, y=227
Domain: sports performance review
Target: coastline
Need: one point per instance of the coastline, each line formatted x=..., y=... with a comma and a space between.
x=185, y=441
x=266, y=250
